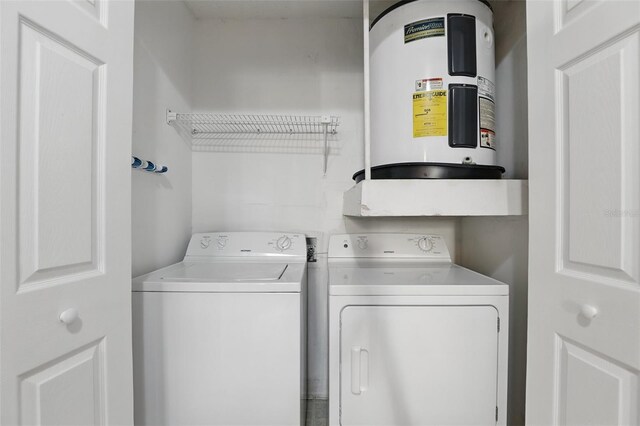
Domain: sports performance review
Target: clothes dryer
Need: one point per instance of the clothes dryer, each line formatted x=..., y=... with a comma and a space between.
x=414, y=339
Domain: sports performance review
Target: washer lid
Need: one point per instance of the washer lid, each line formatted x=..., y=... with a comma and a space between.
x=227, y=277
x=397, y=279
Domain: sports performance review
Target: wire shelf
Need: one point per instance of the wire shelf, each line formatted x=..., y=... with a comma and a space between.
x=203, y=125
x=258, y=133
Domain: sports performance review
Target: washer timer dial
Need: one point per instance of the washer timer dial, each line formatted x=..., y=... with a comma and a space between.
x=425, y=244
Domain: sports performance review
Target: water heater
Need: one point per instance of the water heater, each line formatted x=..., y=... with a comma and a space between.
x=433, y=97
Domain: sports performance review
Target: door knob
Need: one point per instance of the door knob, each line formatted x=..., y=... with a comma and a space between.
x=68, y=316
x=589, y=311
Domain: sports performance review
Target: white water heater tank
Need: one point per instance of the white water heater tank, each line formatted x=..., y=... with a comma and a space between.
x=433, y=95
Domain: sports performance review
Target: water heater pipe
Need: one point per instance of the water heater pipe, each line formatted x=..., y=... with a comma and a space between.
x=367, y=108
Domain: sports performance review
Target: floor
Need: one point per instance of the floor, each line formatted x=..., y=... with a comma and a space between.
x=317, y=412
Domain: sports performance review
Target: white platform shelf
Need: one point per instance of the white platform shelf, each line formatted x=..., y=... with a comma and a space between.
x=423, y=197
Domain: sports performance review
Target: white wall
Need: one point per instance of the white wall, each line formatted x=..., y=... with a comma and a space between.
x=161, y=204
x=288, y=66
x=498, y=247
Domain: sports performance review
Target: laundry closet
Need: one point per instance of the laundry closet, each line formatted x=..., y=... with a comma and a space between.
x=304, y=59
x=254, y=116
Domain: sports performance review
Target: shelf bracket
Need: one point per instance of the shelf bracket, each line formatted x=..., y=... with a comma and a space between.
x=171, y=116
x=326, y=120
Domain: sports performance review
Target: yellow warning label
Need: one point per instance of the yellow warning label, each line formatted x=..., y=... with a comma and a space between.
x=430, y=113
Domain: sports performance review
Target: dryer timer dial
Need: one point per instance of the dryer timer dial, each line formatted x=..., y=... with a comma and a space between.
x=283, y=243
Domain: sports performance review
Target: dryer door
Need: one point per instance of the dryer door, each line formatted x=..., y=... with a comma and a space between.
x=418, y=365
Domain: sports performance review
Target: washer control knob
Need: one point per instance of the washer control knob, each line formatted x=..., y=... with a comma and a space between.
x=204, y=243
x=222, y=242
x=283, y=243
x=363, y=244
x=425, y=244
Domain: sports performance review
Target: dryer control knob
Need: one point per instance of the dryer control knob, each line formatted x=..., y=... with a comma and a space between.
x=283, y=243
x=363, y=244
x=425, y=244
x=204, y=243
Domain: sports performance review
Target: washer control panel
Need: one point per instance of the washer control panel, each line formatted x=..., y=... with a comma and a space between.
x=234, y=244
x=420, y=246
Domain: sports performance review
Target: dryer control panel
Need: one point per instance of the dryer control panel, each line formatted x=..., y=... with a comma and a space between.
x=246, y=244
x=415, y=246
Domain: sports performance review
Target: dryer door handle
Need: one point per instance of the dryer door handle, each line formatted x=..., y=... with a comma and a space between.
x=359, y=370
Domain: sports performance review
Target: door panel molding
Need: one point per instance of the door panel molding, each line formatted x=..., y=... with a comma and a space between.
x=567, y=11
x=598, y=234
x=580, y=403
x=97, y=9
x=48, y=398
x=62, y=107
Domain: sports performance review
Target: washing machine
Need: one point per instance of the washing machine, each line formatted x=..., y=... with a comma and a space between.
x=413, y=338
x=219, y=338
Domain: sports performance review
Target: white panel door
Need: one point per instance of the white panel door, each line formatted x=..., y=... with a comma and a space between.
x=65, y=123
x=584, y=142
x=418, y=365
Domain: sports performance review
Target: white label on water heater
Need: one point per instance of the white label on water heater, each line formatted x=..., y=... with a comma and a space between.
x=487, y=123
x=487, y=114
x=486, y=88
x=427, y=84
